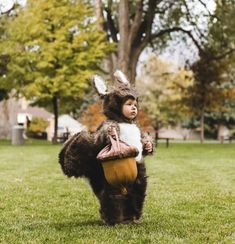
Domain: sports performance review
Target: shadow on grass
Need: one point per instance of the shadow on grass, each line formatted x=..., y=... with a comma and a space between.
x=95, y=223
x=74, y=224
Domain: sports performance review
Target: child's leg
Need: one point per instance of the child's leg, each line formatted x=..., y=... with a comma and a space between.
x=111, y=206
x=129, y=211
x=134, y=205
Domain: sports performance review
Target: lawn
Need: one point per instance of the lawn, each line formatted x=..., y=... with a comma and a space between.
x=190, y=198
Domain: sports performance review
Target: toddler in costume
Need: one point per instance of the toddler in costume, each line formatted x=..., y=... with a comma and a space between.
x=78, y=155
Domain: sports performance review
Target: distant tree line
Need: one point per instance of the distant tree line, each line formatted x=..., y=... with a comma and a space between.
x=50, y=49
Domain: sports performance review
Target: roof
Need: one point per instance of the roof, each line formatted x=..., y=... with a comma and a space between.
x=36, y=112
x=67, y=122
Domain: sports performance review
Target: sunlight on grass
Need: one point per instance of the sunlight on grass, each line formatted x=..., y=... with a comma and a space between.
x=190, y=198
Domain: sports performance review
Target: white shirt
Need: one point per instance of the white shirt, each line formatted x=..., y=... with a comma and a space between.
x=130, y=134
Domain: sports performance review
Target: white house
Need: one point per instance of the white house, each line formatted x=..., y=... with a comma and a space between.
x=66, y=124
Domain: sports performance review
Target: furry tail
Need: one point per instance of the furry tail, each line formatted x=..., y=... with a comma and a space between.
x=75, y=155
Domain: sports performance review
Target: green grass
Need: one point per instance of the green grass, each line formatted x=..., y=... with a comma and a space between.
x=190, y=198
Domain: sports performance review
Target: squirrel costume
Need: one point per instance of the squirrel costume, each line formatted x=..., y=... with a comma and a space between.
x=78, y=157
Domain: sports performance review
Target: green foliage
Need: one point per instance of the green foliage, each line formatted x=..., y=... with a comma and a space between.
x=55, y=48
x=221, y=36
x=3, y=94
x=214, y=88
x=203, y=91
x=5, y=86
x=189, y=198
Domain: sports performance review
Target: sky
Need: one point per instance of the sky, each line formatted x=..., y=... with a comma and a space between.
x=6, y=5
x=179, y=52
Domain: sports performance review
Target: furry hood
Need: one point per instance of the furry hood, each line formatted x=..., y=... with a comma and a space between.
x=115, y=96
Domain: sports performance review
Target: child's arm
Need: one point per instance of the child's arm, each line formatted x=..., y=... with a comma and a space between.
x=148, y=144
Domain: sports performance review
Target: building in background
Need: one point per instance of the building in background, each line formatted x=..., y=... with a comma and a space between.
x=67, y=126
x=18, y=112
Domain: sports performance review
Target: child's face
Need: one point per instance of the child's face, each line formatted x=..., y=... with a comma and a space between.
x=129, y=108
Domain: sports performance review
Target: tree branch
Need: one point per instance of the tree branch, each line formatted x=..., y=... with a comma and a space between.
x=99, y=14
x=123, y=48
x=110, y=25
x=144, y=30
x=123, y=20
x=190, y=20
x=150, y=16
x=137, y=21
x=177, y=29
x=163, y=10
x=204, y=5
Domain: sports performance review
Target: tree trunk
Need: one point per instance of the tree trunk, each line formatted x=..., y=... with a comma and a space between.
x=4, y=120
x=99, y=14
x=55, y=110
x=135, y=54
x=124, y=46
x=130, y=35
x=202, y=124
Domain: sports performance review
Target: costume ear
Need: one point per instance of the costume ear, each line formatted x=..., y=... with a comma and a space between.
x=100, y=85
x=120, y=77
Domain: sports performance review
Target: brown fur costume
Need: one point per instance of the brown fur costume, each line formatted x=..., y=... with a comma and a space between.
x=78, y=158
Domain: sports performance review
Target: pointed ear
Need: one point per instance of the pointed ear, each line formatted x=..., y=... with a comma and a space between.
x=120, y=77
x=100, y=85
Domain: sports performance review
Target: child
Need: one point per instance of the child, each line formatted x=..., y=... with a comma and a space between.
x=78, y=156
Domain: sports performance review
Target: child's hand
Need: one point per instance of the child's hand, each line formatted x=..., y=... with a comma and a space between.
x=148, y=146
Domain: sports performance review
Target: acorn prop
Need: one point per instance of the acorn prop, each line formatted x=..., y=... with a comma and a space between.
x=118, y=162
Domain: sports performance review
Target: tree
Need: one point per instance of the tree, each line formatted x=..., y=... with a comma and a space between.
x=213, y=88
x=204, y=93
x=4, y=88
x=164, y=88
x=92, y=116
x=135, y=25
x=55, y=48
x=4, y=59
x=213, y=92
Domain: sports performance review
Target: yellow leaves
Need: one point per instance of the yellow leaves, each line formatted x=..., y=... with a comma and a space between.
x=44, y=65
x=38, y=125
x=163, y=86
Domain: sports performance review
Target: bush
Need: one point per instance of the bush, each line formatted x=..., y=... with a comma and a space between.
x=37, y=128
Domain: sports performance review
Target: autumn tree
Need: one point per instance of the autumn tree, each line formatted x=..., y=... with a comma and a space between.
x=54, y=48
x=92, y=116
x=144, y=121
x=164, y=87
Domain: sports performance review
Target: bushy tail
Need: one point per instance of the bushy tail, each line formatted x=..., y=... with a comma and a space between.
x=75, y=155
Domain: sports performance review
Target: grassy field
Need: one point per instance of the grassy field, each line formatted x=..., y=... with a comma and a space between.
x=190, y=198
